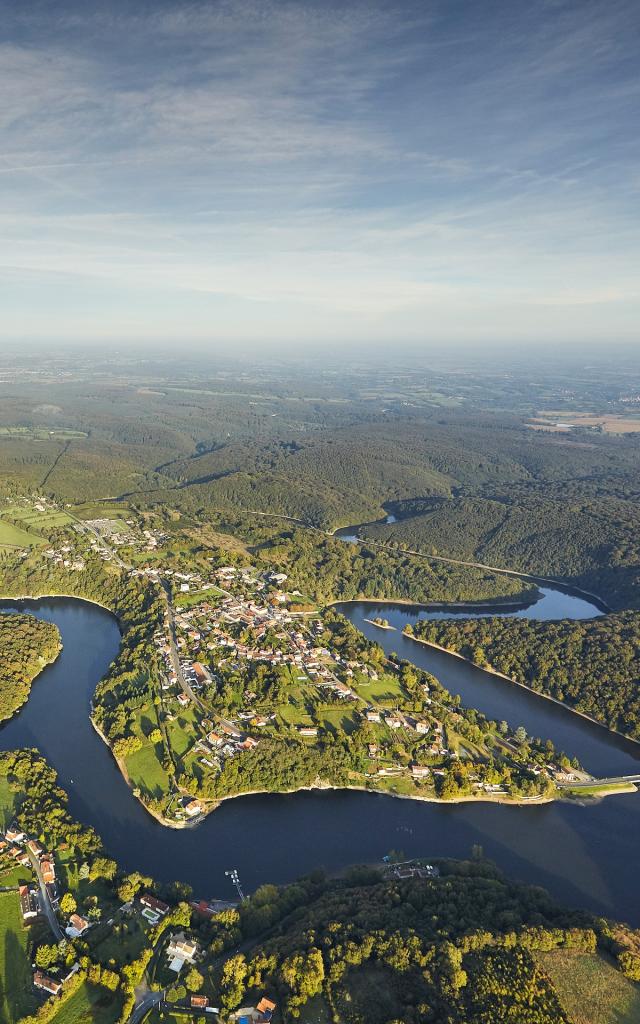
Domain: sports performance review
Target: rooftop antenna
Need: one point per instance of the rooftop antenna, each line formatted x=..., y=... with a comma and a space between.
x=235, y=878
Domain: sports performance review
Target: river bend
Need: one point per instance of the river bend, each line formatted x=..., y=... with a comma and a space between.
x=582, y=854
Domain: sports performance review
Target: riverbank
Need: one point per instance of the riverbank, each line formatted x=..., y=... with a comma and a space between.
x=320, y=787
x=516, y=682
x=30, y=680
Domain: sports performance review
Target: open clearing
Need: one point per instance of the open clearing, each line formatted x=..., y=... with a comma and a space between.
x=591, y=990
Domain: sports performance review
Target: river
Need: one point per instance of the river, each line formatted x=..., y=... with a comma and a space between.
x=585, y=855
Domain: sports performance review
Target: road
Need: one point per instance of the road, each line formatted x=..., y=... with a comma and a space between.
x=175, y=657
x=141, y=1009
x=46, y=902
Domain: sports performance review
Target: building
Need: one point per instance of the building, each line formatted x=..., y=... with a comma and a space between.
x=48, y=869
x=308, y=730
x=77, y=926
x=27, y=903
x=156, y=905
x=46, y=983
x=265, y=1008
x=199, y=1002
x=201, y=673
x=180, y=951
x=419, y=771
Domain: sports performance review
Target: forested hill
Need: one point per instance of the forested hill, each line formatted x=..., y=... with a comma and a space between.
x=587, y=538
x=26, y=646
x=591, y=664
x=462, y=948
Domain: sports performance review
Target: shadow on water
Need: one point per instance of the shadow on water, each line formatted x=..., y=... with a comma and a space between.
x=581, y=854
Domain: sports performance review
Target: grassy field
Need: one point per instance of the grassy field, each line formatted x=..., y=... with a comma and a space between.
x=89, y=1003
x=182, y=731
x=14, y=536
x=591, y=990
x=387, y=689
x=183, y=601
x=16, y=991
x=48, y=520
x=146, y=772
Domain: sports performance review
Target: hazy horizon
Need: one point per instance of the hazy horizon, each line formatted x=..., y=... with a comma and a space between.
x=299, y=174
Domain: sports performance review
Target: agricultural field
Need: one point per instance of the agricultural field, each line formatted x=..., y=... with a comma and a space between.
x=16, y=995
x=591, y=990
x=563, y=422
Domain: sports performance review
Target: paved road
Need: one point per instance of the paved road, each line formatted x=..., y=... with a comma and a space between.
x=46, y=902
x=142, y=1008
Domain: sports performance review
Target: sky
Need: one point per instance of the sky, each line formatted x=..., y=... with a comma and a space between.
x=310, y=173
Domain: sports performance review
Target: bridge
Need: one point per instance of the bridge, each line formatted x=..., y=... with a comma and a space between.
x=591, y=783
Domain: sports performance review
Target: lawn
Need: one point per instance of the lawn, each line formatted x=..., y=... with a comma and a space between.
x=16, y=991
x=146, y=772
x=122, y=942
x=387, y=688
x=338, y=716
x=89, y=1003
x=182, y=732
x=49, y=520
x=591, y=990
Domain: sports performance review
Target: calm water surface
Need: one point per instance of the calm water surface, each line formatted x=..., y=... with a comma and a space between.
x=584, y=855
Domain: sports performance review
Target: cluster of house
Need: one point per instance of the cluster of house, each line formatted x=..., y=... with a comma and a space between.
x=66, y=557
x=120, y=534
x=410, y=869
x=262, y=1013
x=15, y=845
x=224, y=742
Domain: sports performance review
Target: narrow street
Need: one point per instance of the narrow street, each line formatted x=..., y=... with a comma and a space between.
x=46, y=902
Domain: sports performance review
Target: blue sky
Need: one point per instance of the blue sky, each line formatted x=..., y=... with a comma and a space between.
x=301, y=172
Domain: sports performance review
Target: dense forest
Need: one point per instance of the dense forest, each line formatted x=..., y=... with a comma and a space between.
x=592, y=665
x=26, y=645
x=331, y=570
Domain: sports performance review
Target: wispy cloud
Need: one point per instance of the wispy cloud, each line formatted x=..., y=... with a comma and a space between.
x=355, y=166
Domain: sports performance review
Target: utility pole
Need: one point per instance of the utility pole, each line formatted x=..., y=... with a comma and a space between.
x=235, y=878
